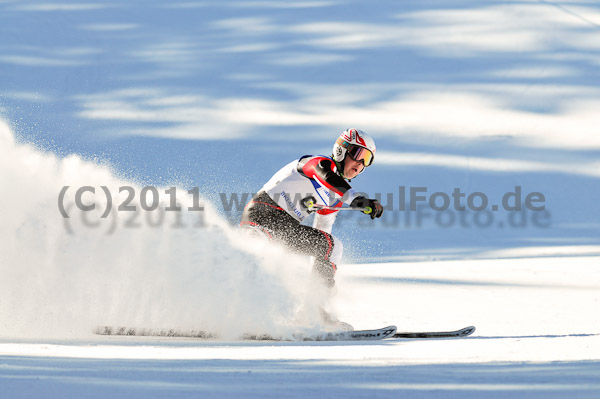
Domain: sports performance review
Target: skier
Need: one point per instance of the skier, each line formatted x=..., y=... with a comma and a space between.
x=314, y=184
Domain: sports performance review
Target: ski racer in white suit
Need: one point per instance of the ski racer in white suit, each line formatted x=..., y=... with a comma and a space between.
x=283, y=203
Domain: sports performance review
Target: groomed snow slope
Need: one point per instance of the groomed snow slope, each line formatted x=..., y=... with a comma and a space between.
x=538, y=336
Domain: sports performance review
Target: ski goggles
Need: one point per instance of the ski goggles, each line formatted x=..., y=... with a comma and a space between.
x=359, y=153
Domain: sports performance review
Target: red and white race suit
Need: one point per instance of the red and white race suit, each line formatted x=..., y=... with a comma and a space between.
x=279, y=209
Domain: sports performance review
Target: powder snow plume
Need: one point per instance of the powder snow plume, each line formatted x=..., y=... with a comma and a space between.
x=190, y=270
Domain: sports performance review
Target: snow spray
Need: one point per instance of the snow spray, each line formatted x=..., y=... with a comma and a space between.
x=63, y=276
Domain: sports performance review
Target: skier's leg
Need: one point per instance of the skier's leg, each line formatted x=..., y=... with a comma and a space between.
x=323, y=247
x=263, y=214
x=326, y=251
x=325, y=265
x=325, y=271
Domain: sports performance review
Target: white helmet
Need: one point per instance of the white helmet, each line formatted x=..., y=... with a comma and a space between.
x=359, y=145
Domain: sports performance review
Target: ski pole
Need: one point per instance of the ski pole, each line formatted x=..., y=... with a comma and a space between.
x=366, y=209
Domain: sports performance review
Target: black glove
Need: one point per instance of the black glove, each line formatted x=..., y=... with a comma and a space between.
x=362, y=202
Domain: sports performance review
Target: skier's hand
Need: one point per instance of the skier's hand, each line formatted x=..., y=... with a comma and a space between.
x=373, y=204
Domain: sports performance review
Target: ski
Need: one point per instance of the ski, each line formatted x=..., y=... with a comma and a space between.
x=463, y=332
x=357, y=335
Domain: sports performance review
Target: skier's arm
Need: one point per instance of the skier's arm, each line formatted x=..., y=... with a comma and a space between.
x=323, y=170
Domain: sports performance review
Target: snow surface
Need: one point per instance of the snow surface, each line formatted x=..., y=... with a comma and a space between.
x=481, y=96
x=537, y=337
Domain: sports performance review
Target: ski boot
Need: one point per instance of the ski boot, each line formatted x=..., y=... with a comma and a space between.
x=332, y=323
